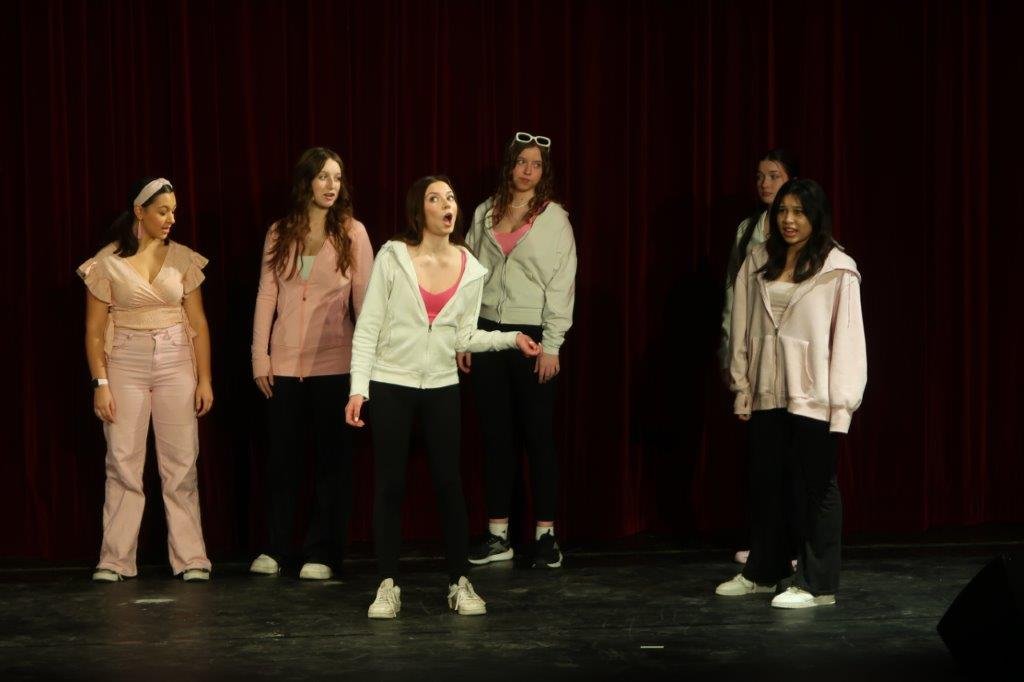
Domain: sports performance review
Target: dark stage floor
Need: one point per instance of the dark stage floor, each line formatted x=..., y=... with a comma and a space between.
x=641, y=611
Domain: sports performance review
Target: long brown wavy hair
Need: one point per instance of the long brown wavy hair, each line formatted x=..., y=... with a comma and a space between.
x=293, y=229
x=543, y=193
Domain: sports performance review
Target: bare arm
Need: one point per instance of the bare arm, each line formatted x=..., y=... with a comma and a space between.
x=95, y=331
x=193, y=304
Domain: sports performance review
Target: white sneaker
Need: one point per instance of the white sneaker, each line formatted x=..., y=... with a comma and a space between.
x=105, y=575
x=464, y=601
x=741, y=556
x=264, y=565
x=740, y=586
x=195, y=574
x=315, y=572
x=388, y=602
x=796, y=598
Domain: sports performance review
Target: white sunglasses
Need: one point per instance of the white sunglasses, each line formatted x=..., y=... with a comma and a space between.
x=527, y=138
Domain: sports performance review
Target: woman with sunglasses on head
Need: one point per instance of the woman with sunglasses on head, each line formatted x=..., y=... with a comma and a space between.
x=775, y=168
x=316, y=263
x=798, y=367
x=523, y=237
x=420, y=310
x=148, y=347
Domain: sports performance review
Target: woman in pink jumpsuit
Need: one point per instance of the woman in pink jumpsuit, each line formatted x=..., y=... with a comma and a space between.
x=148, y=347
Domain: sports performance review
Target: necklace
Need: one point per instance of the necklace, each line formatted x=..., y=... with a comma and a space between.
x=519, y=205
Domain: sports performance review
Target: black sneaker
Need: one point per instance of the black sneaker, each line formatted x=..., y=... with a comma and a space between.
x=491, y=548
x=546, y=554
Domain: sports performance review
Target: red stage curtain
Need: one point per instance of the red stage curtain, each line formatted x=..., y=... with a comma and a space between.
x=908, y=113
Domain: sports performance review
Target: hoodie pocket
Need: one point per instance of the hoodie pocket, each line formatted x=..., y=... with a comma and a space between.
x=761, y=364
x=796, y=356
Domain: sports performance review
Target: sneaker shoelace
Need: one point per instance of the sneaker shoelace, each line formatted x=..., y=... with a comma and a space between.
x=466, y=593
x=386, y=595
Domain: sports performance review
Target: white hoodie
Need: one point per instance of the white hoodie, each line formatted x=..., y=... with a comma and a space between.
x=395, y=343
x=813, y=360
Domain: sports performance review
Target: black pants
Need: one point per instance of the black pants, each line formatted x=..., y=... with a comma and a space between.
x=793, y=473
x=313, y=406
x=392, y=411
x=509, y=398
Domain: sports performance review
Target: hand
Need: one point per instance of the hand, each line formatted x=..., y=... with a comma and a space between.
x=204, y=398
x=744, y=417
x=546, y=367
x=464, y=361
x=352, y=410
x=528, y=346
x=264, y=384
x=103, y=404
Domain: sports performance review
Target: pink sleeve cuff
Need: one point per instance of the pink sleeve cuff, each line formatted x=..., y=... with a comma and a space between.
x=840, y=420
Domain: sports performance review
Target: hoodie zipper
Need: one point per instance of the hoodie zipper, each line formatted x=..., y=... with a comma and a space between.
x=414, y=283
x=302, y=326
x=489, y=232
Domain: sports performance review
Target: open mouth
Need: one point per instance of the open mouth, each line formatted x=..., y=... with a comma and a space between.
x=788, y=234
x=329, y=196
x=449, y=218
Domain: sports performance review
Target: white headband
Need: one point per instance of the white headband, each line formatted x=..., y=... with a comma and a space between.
x=149, y=190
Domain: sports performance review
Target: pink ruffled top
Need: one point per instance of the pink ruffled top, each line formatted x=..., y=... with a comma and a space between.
x=435, y=302
x=135, y=303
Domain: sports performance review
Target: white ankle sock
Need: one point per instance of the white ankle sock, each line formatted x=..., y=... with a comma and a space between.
x=541, y=530
x=499, y=529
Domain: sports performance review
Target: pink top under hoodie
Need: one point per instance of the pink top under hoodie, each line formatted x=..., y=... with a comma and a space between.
x=435, y=302
x=812, y=361
x=312, y=332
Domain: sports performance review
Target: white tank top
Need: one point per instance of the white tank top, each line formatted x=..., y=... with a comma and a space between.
x=780, y=294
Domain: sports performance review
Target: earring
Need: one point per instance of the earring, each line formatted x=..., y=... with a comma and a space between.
x=138, y=230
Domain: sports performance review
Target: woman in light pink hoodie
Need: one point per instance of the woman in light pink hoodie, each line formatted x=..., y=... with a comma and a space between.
x=798, y=368
x=316, y=264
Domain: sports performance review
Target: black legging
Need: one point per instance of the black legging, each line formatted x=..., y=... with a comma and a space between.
x=295, y=409
x=509, y=397
x=392, y=410
x=793, y=472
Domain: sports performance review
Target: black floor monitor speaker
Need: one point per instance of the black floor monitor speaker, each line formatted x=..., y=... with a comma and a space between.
x=984, y=626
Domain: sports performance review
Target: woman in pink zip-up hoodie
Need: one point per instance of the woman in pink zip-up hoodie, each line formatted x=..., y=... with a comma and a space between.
x=316, y=264
x=798, y=368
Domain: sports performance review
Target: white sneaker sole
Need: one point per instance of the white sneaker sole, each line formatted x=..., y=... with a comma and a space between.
x=504, y=556
x=382, y=615
x=470, y=612
x=823, y=600
x=466, y=610
x=733, y=588
x=315, y=574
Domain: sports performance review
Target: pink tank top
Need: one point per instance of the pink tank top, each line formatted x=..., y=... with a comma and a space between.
x=508, y=240
x=434, y=302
